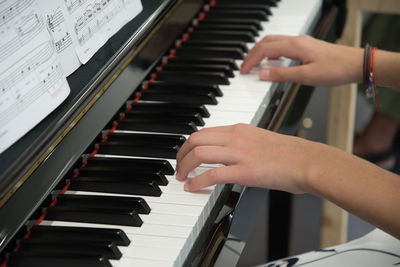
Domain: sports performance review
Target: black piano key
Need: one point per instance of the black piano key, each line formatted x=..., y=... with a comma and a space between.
x=209, y=99
x=124, y=174
x=157, y=126
x=49, y=246
x=19, y=259
x=127, y=203
x=227, y=27
x=144, y=139
x=125, y=149
x=193, y=76
x=240, y=14
x=93, y=215
x=244, y=7
x=232, y=21
x=214, y=52
x=140, y=165
x=249, y=2
x=97, y=184
x=199, y=67
x=79, y=234
x=180, y=117
x=185, y=87
x=216, y=43
x=204, y=60
x=177, y=107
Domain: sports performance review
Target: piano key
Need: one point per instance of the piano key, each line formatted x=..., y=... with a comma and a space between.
x=271, y=3
x=27, y=260
x=80, y=233
x=197, y=199
x=250, y=29
x=181, y=117
x=96, y=184
x=129, y=262
x=124, y=148
x=201, y=109
x=157, y=126
x=179, y=107
x=181, y=98
x=204, y=60
x=193, y=76
x=147, y=139
x=159, y=230
x=94, y=215
x=199, y=67
x=244, y=6
x=124, y=174
x=232, y=21
x=136, y=164
x=240, y=14
x=218, y=43
x=220, y=35
x=50, y=246
x=127, y=203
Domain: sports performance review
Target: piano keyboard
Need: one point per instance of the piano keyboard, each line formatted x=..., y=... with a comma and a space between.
x=124, y=207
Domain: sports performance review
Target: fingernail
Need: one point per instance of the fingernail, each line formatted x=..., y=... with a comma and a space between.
x=264, y=74
x=178, y=176
x=186, y=187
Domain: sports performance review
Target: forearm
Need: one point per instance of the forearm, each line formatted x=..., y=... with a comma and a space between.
x=387, y=69
x=358, y=186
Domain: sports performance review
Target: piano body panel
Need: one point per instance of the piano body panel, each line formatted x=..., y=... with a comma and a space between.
x=105, y=98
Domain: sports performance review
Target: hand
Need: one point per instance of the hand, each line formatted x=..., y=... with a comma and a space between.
x=252, y=157
x=323, y=64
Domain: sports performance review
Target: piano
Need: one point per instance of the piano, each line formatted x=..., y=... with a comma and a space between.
x=93, y=184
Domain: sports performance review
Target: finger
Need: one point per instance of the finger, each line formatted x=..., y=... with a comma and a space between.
x=202, y=138
x=260, y=51
x=285, y=74
x=204, y=154
x=275, y=37
x=220, y=175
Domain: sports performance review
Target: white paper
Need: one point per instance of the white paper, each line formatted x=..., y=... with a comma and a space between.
x=60, y=28
x=94, y=22
x=32, y=82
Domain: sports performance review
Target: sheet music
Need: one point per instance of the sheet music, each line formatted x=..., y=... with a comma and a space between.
x=32, y=82
x=95, y=21
x=58, y=24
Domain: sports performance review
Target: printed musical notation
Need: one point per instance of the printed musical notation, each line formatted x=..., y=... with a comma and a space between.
x=41, y=42
x=32, y=82
x=95, y=21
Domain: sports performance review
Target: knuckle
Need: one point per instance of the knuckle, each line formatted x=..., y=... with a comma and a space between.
x=198, y=153
x=214, y=176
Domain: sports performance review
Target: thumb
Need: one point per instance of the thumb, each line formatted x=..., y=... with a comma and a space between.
x=282, y=74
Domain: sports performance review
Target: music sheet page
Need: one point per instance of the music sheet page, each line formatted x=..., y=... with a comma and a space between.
x=93, y=22
x=32, y=82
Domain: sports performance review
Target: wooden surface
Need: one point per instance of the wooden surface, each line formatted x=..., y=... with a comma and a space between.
x=341, y=113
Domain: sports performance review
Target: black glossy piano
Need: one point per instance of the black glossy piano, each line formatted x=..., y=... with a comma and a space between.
x=93, y=184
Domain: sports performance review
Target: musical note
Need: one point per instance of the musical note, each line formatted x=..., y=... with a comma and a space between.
x=30, y=73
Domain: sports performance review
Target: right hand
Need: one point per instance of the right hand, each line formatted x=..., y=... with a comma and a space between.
x=323, y=64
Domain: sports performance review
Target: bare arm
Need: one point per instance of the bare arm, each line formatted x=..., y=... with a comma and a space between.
x=260, y=158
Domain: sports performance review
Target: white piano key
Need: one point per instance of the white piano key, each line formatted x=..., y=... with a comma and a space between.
x=159, y=230
x=129, y=262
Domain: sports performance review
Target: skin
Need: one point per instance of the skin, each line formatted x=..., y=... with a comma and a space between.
x=256, y=157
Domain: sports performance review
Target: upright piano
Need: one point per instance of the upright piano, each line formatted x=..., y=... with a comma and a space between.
x=93, y=184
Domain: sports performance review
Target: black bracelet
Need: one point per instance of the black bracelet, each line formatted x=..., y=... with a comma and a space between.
x=367, y=63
